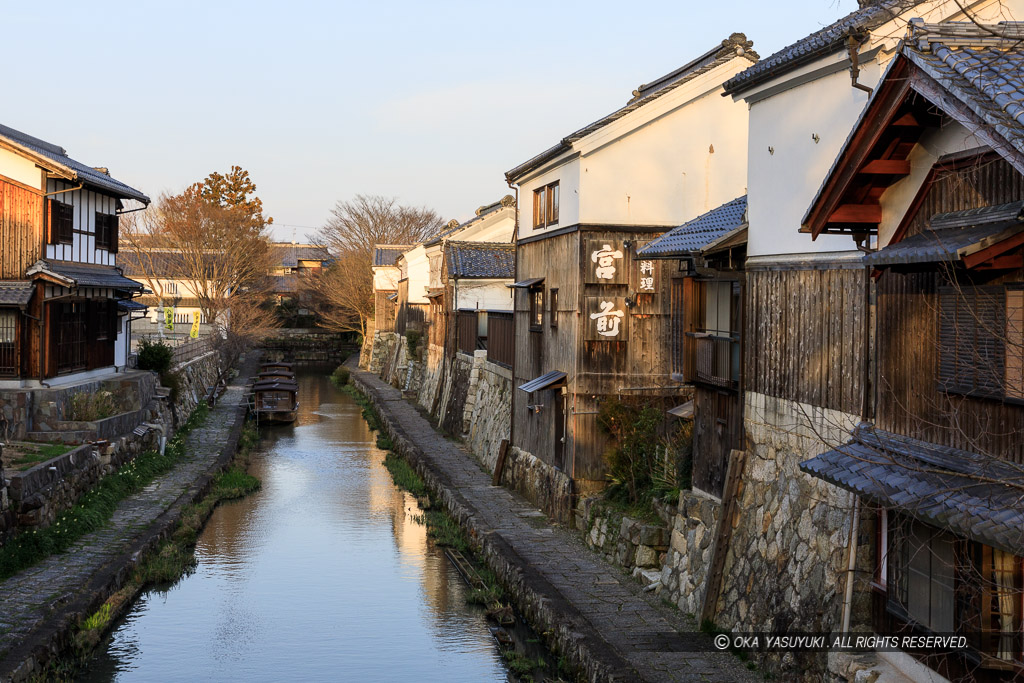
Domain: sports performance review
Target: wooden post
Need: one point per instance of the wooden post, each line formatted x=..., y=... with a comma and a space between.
x=499, y=466
x=722, y=535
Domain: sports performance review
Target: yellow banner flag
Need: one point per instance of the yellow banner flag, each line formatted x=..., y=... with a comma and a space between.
x=169, y=317
x=194, y=332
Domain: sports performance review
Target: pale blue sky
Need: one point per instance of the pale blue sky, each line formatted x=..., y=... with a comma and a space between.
x=430, y=102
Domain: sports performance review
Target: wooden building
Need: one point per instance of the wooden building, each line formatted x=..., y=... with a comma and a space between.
x=933, y=177
x=590, y=326
x=61, y=315
x=386, y=275
x=705, y=257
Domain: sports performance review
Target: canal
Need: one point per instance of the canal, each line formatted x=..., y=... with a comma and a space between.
x=324, y=574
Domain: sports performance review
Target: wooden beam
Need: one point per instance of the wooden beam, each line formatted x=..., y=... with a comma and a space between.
x=857, y=213
x=723, y=534
x=979, y=257
x=887, y=167
x=1007, y=262
x=906, y=120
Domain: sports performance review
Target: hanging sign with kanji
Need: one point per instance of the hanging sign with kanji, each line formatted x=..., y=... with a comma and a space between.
x=605, y=318
x=606, y=262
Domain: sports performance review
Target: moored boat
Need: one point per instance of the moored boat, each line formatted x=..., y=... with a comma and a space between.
x=275, y=400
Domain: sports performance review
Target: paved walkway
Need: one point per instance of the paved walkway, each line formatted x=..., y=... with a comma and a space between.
x=31, y=600
x=638, y=640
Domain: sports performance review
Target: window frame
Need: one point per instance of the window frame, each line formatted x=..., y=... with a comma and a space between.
x=969, y=579
x=553, y=308
x=106, y=231
x=62, y=227
x=545, y=206
x=986, y=359
x=536, y=308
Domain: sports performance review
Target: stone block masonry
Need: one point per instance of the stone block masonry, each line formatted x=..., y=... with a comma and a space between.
x=595, y=616
x=40, y=607
x=786, y=564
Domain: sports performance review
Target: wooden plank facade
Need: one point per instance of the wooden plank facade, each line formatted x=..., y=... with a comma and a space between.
x=805, y=335
x=21, y=228
x=610, y=340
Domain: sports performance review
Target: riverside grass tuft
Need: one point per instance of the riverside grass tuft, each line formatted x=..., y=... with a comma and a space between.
x=94, y=508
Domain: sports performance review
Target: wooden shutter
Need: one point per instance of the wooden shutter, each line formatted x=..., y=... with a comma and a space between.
x=115, y=232
x=1015, y=341
x=971, y=340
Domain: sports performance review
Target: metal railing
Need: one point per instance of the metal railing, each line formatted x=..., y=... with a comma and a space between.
x=184, y=348
x=717, y=360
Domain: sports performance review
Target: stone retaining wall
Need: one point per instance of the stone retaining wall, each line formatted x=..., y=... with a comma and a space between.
x=684, y=573
x=487, y=416
x=634, y=545
x=37, y=496
x=548, y=488
x=16, y=412
x=786, y=564
x=382, y=348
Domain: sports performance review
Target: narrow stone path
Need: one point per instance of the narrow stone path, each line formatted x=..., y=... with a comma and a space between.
x=33, y=599
x=634, y=639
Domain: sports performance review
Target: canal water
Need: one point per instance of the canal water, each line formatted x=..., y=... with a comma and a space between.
x=323, y=575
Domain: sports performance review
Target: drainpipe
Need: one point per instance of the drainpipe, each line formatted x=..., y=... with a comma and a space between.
x=515, y=277
x=852, y=43
x=73, y=189
x=851, y=552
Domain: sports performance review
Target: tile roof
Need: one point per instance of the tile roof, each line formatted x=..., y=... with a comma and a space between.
x=984, y=71
x=695, y=235
x=508, y=201
x=735, y=46
x=16, y=292
x=387, y=254
x=131, y=305
x=288, y=255
x=973, y=495
x=84, y=274
x=83, y=173
x=165, y=264
x=818, y=44
x=952, y=235
x=151, y=300
x=480, y=260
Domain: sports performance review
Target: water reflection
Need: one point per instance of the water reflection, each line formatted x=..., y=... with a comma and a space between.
x=322, y=575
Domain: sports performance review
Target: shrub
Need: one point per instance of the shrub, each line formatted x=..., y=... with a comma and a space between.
x=86, y=407
x=640, y=462
x=155, y=355
x=412, y=340
x=341, y=375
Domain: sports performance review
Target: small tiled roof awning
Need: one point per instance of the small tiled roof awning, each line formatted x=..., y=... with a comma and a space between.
x=15, y=293
x=954, y=236
x=434, y=294
x=684, y=410
x=524, y=284
x=131, y=305
x=976, y=496
x=701, y=233
x=392, y=297
x=549, y=379
x=72, y=274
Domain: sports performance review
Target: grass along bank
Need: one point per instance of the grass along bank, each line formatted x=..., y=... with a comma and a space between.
x=170, y=561
x=94, y=508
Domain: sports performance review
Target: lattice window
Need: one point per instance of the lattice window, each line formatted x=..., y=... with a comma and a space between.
x=8, y=343
x=106, y=231
x=972, y=331
x=72, y=339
